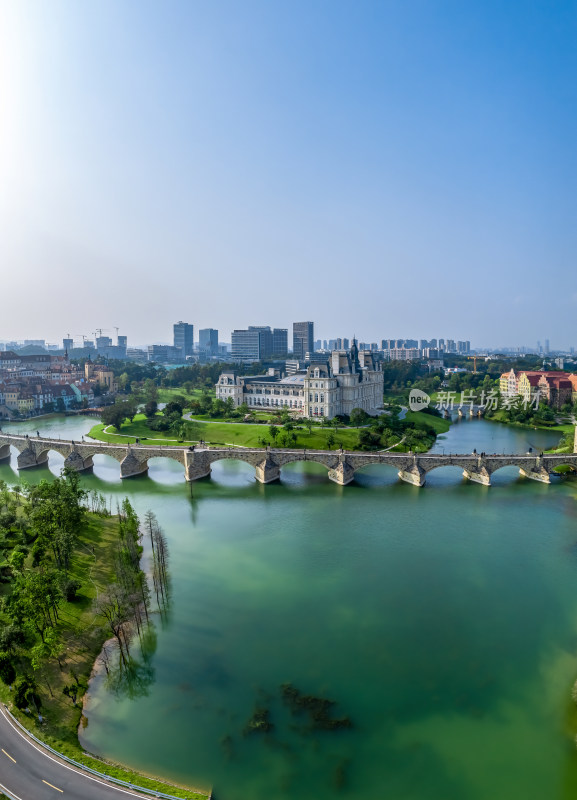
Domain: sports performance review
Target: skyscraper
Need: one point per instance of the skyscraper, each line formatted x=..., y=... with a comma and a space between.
x=259, y=342
x=303, y=339
x=184, y=338
x=246, y=345
x=279, y=342
x=208, y=341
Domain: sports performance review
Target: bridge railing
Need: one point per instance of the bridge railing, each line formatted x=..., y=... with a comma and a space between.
x=102, y=775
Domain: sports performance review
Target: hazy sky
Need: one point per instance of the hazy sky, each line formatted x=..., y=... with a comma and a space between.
x=402, y=168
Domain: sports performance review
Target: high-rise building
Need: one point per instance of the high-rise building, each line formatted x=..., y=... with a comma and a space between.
x=258, y=342
x=184, y=338
x=279, y=342
x=246, y=345
x=164, y=354
x=67, y=344
x=303, y=339
x=208, y=341
x=546, y=347
x=103, y=343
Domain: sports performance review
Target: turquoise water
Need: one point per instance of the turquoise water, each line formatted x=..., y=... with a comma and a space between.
x=442, y=620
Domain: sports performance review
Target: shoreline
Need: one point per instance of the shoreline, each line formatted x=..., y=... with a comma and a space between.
x=98, y=672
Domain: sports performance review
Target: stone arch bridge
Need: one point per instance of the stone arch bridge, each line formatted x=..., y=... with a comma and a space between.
x=341, y=465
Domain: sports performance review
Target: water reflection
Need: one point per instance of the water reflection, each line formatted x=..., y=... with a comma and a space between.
x=444, y=622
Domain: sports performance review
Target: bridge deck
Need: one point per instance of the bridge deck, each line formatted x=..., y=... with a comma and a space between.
x=341, y=464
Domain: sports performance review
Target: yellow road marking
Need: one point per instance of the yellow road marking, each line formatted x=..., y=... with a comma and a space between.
x=52, y=787
x=9, y=756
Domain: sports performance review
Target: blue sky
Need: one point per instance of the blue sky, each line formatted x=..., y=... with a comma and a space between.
x=385, y=168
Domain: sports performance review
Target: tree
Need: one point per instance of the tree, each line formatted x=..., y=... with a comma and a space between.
x=123, y=381
x=71, y=691
x=273, y=431
x=7, y=670
x=151, y=408
x=150, y=389
x=358, y=417
x=17, y=560
x=131, y=408
x=25, y=693
x=50, y=648
x=368, y=440
x=114, y=415
x=330, y=440
x=113, y=606
x=173, y=407
x=60, y=406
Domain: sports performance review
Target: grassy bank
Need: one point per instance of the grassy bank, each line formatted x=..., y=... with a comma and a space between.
x=501, y=416
x=226, y=433
x=438, y=424
x=78, y=635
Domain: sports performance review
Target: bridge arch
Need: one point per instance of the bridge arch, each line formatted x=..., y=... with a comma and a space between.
x=105, y=467
x=233, y=472
x=164, y=469
x=376, y=473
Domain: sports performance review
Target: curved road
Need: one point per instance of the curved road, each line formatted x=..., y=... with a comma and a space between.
x=27, y=772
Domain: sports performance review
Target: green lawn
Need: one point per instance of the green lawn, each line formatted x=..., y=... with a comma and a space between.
x=438, y=424
x=227, y=433
x=165, y=394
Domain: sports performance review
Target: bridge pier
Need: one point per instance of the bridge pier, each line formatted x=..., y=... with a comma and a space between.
x=131, y=466
x=4, y=452
x=480, y=475
x=267, y=471
x=415, y=475
x=27, y=459
x=343, y=473
x=75, y=461
x=537, y=474
x=196, y=465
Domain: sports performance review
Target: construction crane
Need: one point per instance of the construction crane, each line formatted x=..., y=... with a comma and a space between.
x=474, y=359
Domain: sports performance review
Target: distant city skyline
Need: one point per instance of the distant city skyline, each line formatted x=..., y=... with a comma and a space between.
x=380, y=168
x=200, y=338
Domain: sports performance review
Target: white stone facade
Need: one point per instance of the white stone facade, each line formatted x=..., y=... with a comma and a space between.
x=263, y=391
x=349, y=380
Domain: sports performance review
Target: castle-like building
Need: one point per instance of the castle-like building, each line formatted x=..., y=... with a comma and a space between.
x=348, y=379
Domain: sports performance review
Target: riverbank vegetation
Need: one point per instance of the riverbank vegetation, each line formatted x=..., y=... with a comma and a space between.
x=416, y=432
x=70, y=580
